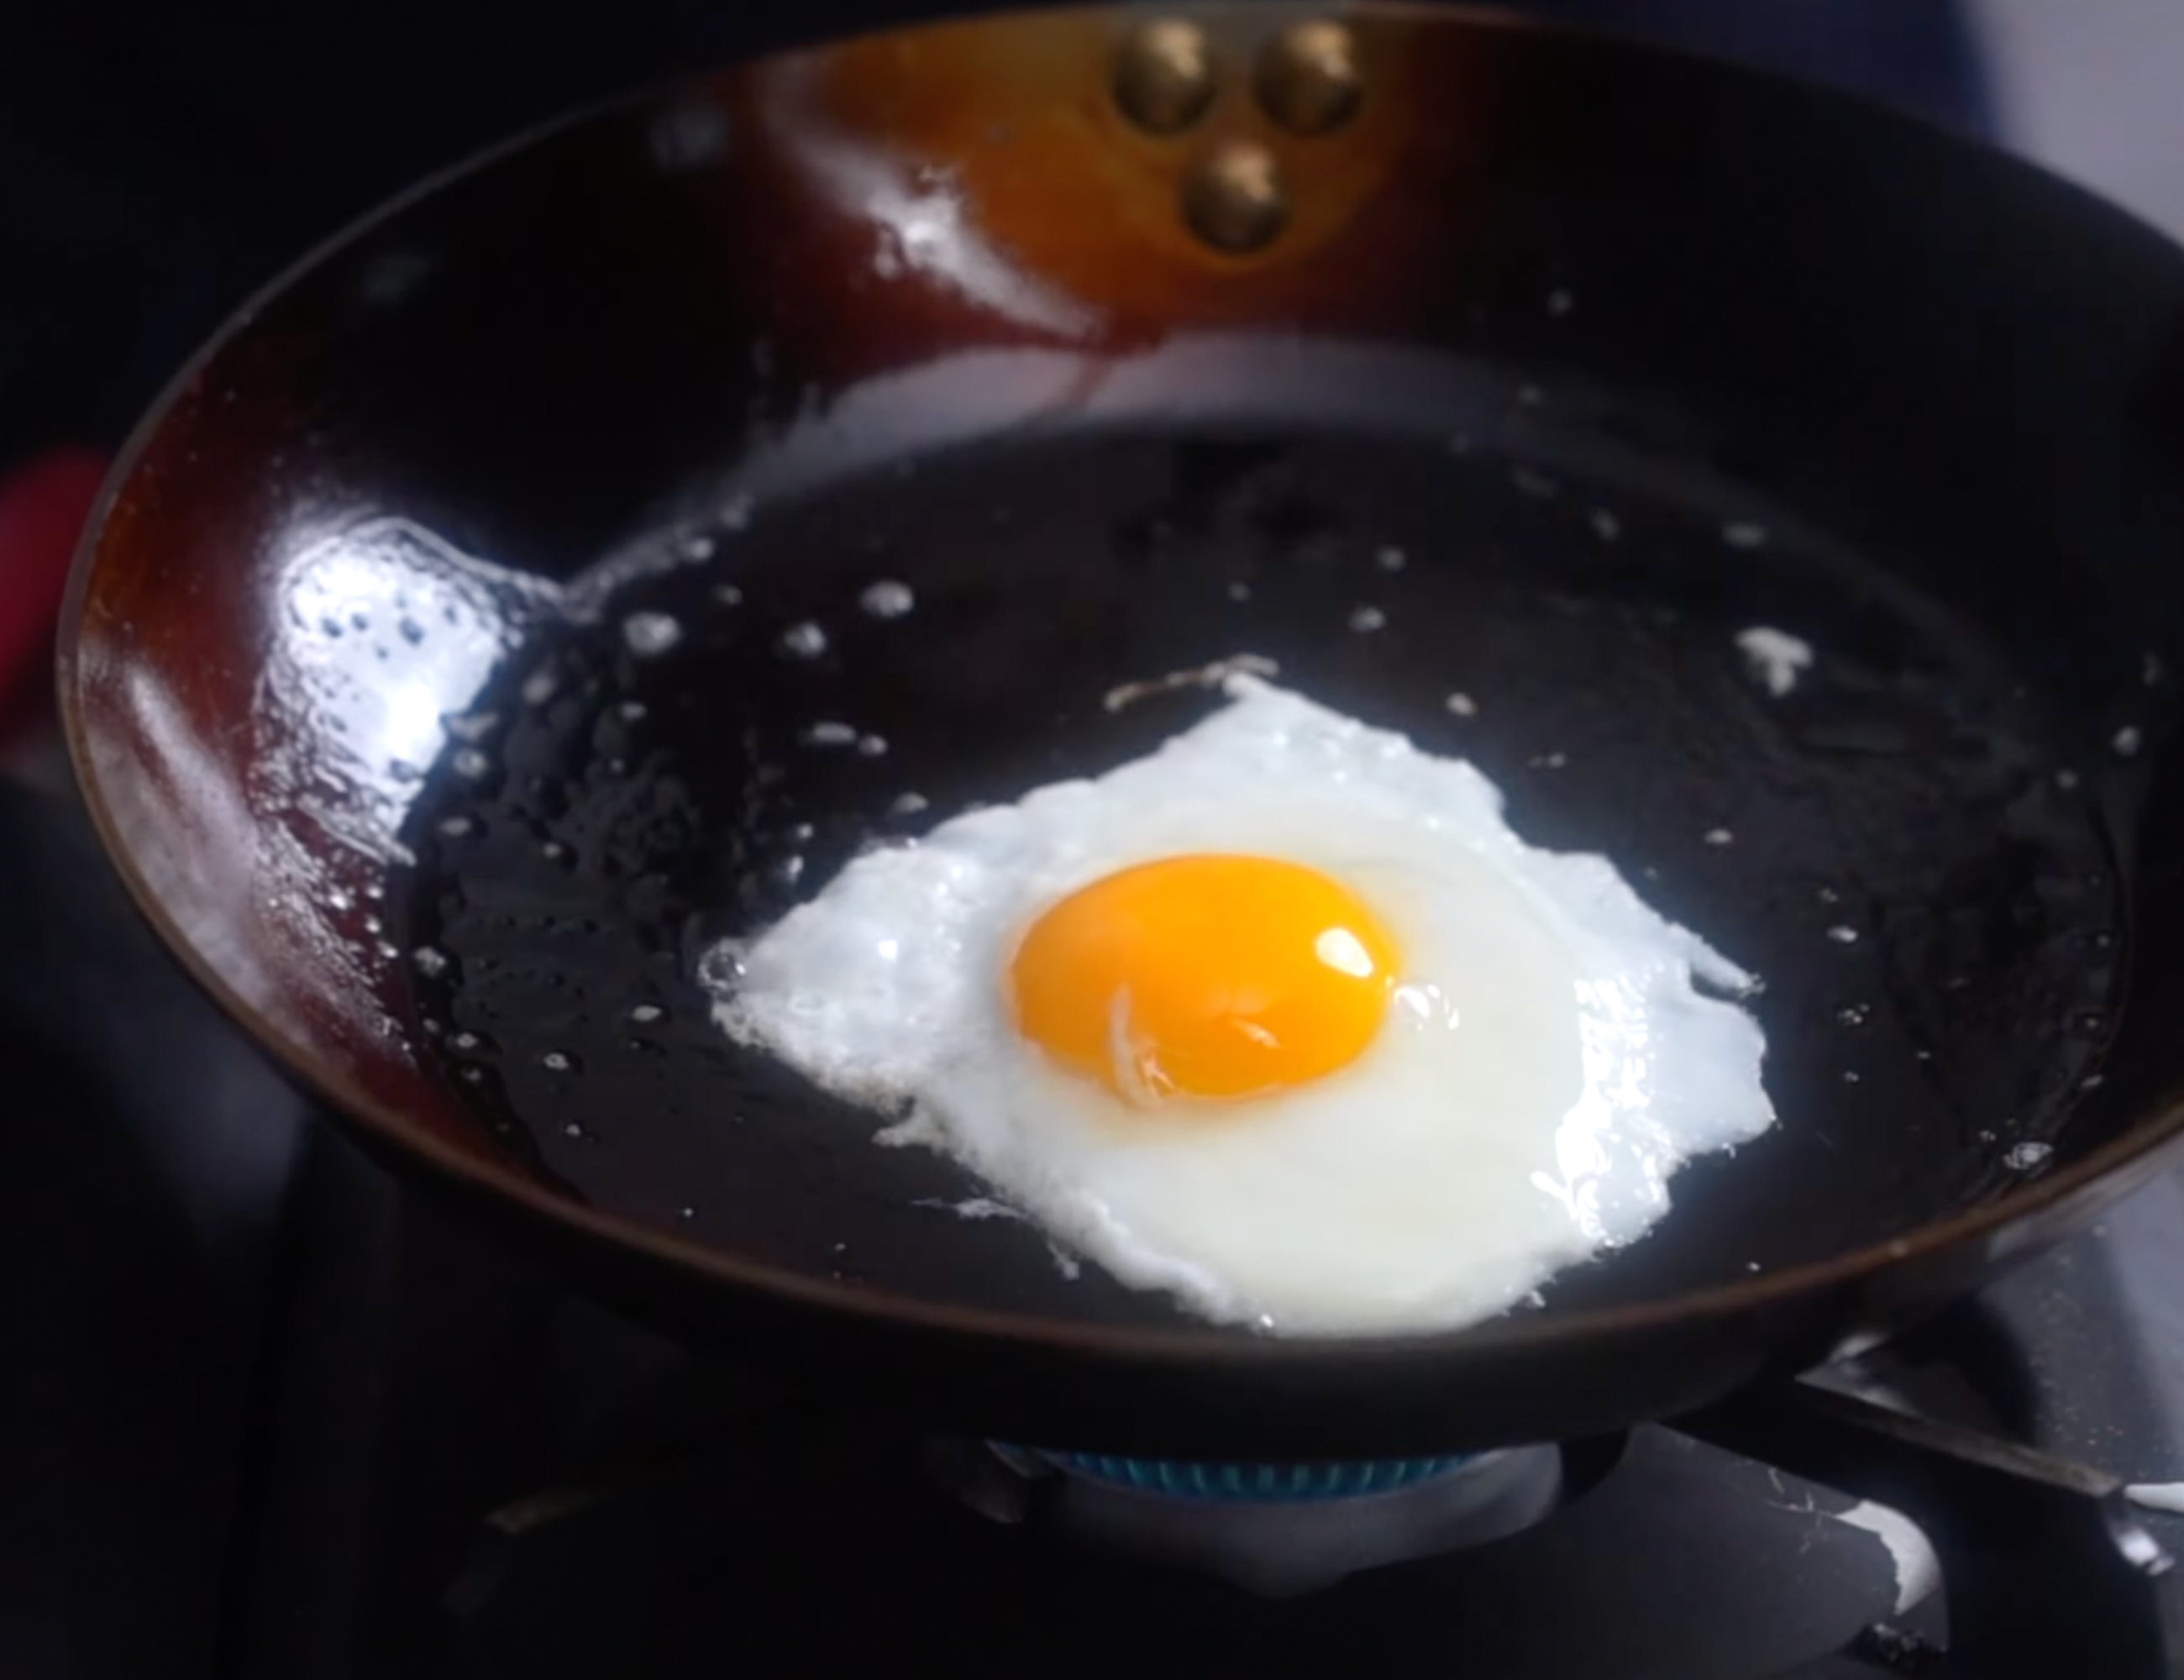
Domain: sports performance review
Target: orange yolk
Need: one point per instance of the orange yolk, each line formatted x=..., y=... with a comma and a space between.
x=1208, y=975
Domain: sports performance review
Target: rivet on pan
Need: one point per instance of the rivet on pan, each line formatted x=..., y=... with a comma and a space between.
x=1234, y=199
x=1308, y=79
x=1164, y=76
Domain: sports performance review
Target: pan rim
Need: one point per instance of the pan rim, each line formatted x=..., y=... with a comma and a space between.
x=2154, y=1134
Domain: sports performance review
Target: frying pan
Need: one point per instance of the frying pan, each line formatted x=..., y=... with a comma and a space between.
x=441, y=667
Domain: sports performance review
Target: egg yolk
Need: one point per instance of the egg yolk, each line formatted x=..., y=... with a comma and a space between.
x=1207, y=975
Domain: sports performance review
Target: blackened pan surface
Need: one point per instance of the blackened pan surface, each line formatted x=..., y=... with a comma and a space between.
x=1899, y=843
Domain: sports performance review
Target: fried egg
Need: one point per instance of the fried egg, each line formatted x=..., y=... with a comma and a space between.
x=1281, y=1019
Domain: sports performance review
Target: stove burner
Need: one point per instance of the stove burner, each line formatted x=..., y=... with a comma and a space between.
x=1275, y=1529
x=1333, y=1479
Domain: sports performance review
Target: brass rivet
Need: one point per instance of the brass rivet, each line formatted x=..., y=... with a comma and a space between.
x=1308, y=78
x=1164, y=76
x=1233, y=199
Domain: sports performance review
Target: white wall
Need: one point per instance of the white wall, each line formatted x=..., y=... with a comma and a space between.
x=2094, y=89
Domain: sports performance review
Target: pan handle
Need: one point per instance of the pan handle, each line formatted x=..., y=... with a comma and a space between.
x=2045, y=1570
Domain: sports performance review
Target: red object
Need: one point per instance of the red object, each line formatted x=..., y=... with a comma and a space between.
x=43, y=504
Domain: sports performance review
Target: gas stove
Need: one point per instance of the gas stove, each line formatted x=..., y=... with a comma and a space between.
x=337, y=1432
x=661, y=1511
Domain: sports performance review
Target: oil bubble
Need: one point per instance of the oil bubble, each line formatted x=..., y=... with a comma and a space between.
x=804, y=641
x=649, y=635
x=470, y=726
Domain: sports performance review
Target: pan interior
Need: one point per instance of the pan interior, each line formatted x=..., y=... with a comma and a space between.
x=1897, y=843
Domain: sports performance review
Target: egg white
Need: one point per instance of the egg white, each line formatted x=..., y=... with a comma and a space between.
x=1545, y=1065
